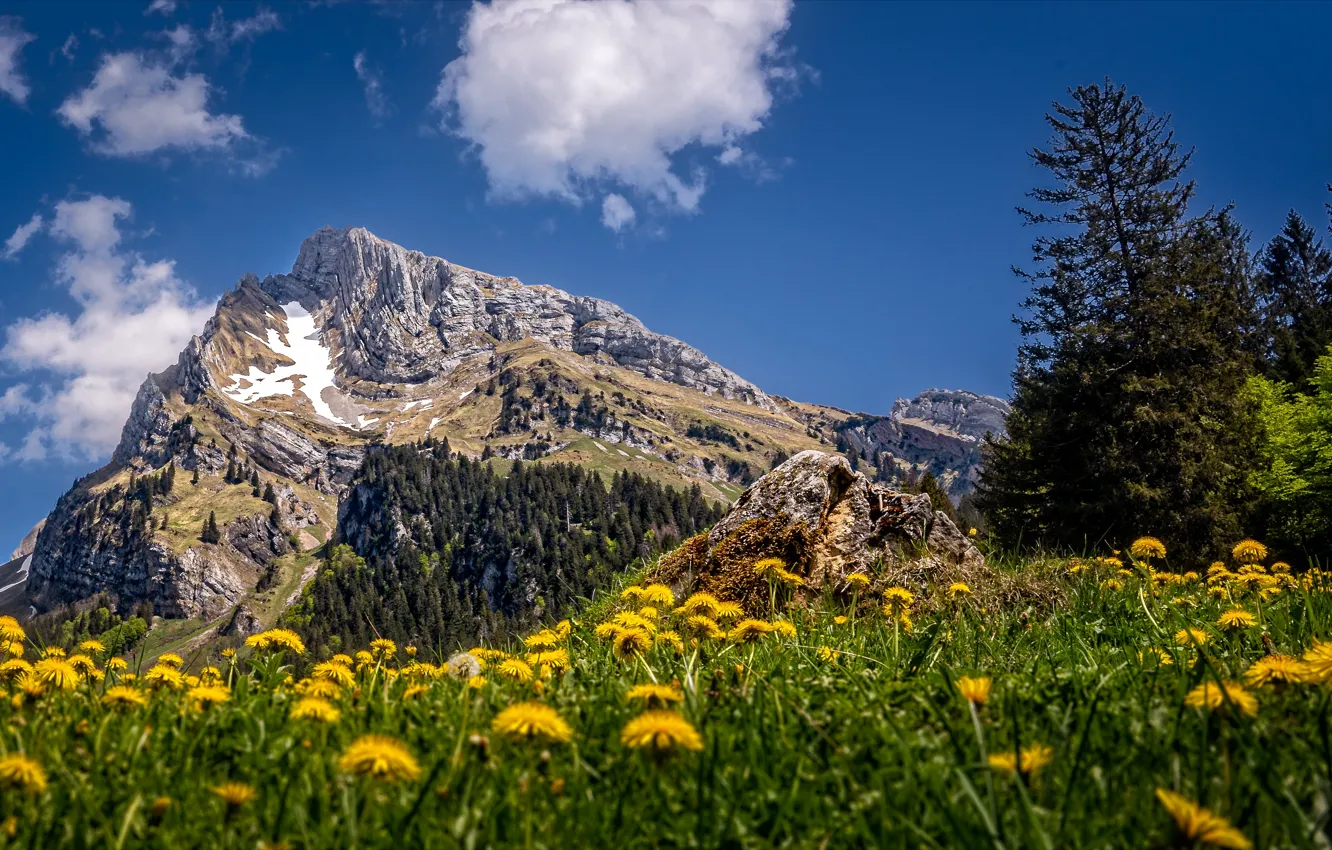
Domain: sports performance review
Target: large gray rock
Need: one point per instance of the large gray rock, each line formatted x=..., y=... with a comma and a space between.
x=825, y=521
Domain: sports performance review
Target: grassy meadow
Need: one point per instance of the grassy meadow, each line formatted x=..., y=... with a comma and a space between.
x=1132, y=702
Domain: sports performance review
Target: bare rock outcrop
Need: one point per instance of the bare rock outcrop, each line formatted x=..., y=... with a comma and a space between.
x=825, y=521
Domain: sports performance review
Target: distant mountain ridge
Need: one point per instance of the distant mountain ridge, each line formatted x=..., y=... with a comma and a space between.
x=365, y=342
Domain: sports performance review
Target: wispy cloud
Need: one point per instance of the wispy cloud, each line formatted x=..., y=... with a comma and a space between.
x=375, y=99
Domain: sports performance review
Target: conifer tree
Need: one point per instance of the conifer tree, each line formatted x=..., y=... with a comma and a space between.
x=1127, y=415
x=1295, y=284
x=211, y=533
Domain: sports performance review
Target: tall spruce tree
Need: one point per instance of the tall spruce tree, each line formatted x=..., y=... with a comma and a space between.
x=1127, y=414
x=1295, y=285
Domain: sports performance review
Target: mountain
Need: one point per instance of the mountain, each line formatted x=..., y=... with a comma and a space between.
x=259, y=426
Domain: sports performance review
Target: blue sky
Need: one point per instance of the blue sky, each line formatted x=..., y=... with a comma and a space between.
x=822, y=194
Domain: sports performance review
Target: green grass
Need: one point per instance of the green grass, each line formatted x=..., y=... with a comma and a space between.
x=874, y=748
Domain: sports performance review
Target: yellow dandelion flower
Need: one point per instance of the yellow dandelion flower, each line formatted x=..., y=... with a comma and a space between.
x=655, y=695
x=973, y=531
x=563, y=628
x=748, y=631
x=632, y=593
x=159, y=676
x=768, y=567
x=414, y=691
x=1112, y=584
x=647, y=612
x=701, y=603
x=532, y=720
x=333, y=672
x=1318, y=662
x=13, y=668
x=1280, y=567
x=1147, y=548
x=841, y=620
x=235, y=794
x=277, y=640
x=170, y=659
x=12, y=649
x=1236, y=619
x=661, y=730
x=897, y=600
x=515, y=669
x=670, y=638
x=56, y=673
x=1212, y=697
x=82, y=663
x=1200, y=825
x=10, y=629
x=93, y=647
x=476, y=683
x=380, y=757
x=382, y=648
x=729, y=611
x=206, y=696
x=1005, y=762
x=319, y=688
x=1249, y=552
x=608, y=631
x=22, y=773
x=790, y=579
x=827, y=654
x=703, y=626
x=975, y=691
x=1029, y=760
x=53, y=652
x=544, y=639
x=632, y=620
x=556, y=659
x=858, y=581
x=630, y=642
x=958, y=590
x=784, y=628
x=1191, y=637
x=123, y=696
x=1274, y=670
x=659, y=595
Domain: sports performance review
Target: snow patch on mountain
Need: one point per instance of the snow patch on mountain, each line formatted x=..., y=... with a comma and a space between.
x=312, y=363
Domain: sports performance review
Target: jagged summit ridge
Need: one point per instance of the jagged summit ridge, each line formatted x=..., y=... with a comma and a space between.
x=971, y=415
x=400, y=316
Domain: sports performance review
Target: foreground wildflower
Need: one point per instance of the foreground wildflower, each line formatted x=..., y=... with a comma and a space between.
x=170, y=659
x=1029, y=760
x=1147, y=548
x=277, y=640
x=827, y=654
x=1210, y=696
x=554, y=660
x=123, y=696
x=316, y=709
x=13, y=668
x=661, y=730
x=205, y=696
x=93, y=647
x=235, y=794
x=1200, y=825
x=654, y=694
x=56, y=673
x=898, y=599
x=1236, y=620
x=748, y=631
x=10, y=630
x=379, y=757
x=769, y=567
x=702, y=626
x=544, y=639
x=532, y=720
x=729, y=611
x=958, y=590
x=1318, y=662
x=1191, y=637
x=975, y=691
x=858, y=581
x=160, y=676
x=700, y=604
x=332, y=671
x=382, y=648
x=1249, y=552
x=515, y=669
x=1273, y=670
x=19, y=771
x=659, y=595
x=784, y=628
x=670, y=638
x=630, y=642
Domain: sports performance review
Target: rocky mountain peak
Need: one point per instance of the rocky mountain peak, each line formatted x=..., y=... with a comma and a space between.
x=969, y=414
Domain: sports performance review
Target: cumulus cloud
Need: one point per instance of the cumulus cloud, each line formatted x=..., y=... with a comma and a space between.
x=133, y=317
x=558, y=96
x=165, y=7
x=616, y=212
x=136, y=106
x=12, y=40
x=14, y=244
x=375, y=99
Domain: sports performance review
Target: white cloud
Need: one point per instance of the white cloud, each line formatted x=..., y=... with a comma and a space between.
x=375, y=99
x=616, y=212
x=140, y=107
x=182, y=42
x=67, y=49
x=133, y=317
x=223, y=33
x=12, y=40
x=560, y=95
x=14, y=244
x=165, y=7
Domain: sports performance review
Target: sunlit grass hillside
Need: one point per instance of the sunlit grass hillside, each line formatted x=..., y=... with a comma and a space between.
x=1149, y=706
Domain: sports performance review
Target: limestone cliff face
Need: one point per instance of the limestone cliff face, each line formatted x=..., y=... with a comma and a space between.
x=404, y=317
x=959, y=411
